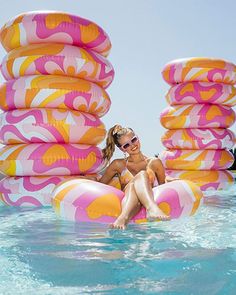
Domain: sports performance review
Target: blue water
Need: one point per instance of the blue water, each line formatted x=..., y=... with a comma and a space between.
x=41, y=254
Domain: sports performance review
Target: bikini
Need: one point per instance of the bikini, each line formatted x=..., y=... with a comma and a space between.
x=126, y=176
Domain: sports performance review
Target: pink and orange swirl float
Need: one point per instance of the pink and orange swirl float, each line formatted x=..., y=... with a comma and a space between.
x=56, y=73
x=85, y=200
x=201, y=98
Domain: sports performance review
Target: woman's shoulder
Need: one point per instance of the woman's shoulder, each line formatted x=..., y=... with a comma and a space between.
x=154, y=162
x=118, y=165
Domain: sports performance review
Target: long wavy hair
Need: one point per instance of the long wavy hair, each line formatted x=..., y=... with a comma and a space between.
x=112, y=140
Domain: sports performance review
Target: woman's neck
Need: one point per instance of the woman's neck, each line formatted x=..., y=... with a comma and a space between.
x=136, y=158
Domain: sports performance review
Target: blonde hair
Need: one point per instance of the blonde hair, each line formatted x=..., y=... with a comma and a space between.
x=112, y=140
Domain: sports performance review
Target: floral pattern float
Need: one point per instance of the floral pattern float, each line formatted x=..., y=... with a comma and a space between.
x=29, y=191
x=199, y=69
x=51, y=26
x=197, y=116
x=50, y=125
x=57, y=59
x=202, y=92
x=50, y=159
x=204, y=138
x=86, y=200
x=205, y=179
x=197, y=159
x=201, y=98
x=51, y=91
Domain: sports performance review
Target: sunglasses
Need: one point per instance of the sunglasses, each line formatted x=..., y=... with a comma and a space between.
x=129, y=143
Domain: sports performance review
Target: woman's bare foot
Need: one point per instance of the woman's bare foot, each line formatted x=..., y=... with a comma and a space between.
x=155, y=213
x=120, y=223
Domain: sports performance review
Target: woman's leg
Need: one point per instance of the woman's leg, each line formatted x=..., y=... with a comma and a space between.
x=130, y=207
x=144, y=193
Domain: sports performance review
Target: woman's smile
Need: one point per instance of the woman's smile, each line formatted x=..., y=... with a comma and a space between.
x=134, y=148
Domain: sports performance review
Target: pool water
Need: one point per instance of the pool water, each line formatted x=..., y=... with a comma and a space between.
x=41, y=254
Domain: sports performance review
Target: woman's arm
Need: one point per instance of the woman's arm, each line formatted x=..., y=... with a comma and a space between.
x=111, y=171
x=156, y=169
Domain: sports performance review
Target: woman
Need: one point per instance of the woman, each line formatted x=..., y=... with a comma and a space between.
x=137, y=174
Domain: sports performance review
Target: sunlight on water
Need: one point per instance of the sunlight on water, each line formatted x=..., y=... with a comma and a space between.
x=40, y=254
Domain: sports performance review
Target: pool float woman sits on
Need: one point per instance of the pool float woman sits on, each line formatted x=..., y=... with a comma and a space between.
x=137, y=174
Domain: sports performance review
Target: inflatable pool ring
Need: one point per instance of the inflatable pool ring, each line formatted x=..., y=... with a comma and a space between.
x=202, y=92
x=196, y=159
x=54, y=27
x=51, y=91
x=197, y=116
x=199, y=69
x=50, y=159
x=36, y=191
x=90, y=201
x=205, y=179
x=57, y=59
x=50, y=125
x=29, y=191
x=204, y=138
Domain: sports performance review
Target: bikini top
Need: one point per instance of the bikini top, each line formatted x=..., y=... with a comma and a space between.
x=125, y=177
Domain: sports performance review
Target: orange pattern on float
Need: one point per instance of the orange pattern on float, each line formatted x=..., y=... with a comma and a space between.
x=196, y=138
x=197, y=116
x=50, y=125
x=86, y=200
x=31, y=191
x=199, y=69
x=197, y=159
x=51, y=91
x=202, y=92
x=52, y=26
x=50, y=159
x=205, y=179
x=57, y=59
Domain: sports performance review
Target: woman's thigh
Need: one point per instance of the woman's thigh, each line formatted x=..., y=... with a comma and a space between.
x=130, y=193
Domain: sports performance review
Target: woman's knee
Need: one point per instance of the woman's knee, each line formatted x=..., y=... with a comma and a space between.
x=141, y=175
x=130, y=193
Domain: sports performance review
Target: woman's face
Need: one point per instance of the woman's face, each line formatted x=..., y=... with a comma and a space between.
x=130, y=143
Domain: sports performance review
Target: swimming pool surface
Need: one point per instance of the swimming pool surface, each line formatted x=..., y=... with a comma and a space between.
x=41, y=254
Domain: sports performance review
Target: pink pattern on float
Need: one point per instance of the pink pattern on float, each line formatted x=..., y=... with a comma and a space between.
x=199, y=69
x=205, y=179
x=50, y=125
x=202, y=92
x=204, y=138
x=197, y=159
x=57, y=59
x=197, y=116
x=29, y=191
x=51, y=91
x=50, y=159
x=53, y=26
x=89, y=201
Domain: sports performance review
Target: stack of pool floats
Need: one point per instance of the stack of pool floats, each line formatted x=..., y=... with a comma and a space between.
x=201, y=98
x=56, y=74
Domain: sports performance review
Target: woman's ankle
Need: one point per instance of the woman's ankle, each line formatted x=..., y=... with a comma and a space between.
x=123, y=217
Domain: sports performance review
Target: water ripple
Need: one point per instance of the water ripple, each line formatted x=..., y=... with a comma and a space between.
x=41, y=254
